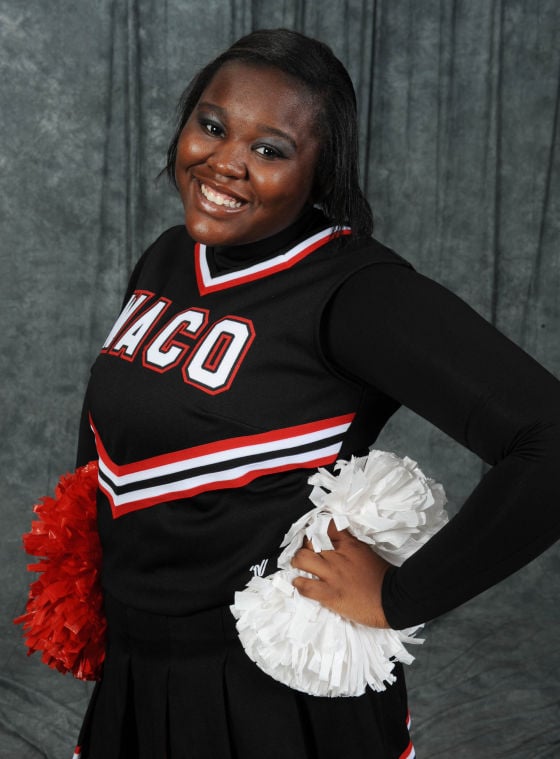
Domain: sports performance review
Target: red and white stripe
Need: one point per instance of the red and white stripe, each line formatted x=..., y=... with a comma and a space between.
x=409, y=752
x=208, y=283
x=222, y=464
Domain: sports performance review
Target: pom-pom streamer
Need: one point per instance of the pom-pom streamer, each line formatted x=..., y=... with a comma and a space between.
x=382, y=500
x=64, y=616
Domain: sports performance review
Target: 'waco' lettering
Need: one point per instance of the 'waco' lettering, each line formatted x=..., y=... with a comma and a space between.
x=209, y=354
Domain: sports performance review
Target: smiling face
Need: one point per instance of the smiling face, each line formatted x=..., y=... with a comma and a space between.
x=246, y=157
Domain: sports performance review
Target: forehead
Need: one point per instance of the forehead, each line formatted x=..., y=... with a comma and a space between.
x=261, y=93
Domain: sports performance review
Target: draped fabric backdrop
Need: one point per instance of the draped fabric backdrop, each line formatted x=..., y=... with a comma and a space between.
x=459, y=127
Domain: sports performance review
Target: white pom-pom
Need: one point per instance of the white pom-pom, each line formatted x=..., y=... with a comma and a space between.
x=382, y=500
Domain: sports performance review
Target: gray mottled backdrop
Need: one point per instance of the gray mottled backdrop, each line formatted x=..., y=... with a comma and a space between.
x=459, y=119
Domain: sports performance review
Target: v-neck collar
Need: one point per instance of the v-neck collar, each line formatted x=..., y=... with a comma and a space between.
x=209, y=282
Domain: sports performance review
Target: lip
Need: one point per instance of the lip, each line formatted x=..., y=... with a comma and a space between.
x=214, y=209
x=211, y=209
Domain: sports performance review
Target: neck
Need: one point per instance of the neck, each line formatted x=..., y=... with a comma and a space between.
x=226, y=257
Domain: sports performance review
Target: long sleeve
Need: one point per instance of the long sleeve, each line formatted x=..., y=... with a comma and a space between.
x=402, y=333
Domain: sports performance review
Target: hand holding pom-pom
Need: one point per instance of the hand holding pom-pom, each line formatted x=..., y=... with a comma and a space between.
x=347, y=580
x=64, y=614
x=331, y=637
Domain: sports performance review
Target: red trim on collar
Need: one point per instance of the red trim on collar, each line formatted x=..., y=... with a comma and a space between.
x=207, y=283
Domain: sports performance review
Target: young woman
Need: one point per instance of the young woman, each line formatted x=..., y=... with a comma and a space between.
x=266, y=336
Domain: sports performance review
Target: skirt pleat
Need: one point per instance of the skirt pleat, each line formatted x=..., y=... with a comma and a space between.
x=109, y=729
x=183, y=688
x=149, y=696
x=198, y=719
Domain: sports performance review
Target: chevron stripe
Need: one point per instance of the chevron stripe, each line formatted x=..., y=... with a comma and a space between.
x=229, y=463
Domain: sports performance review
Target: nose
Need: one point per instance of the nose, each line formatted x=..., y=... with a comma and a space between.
x=227, y=160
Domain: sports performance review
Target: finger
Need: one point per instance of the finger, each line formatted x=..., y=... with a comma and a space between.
x=308, y=552
x=307, y=560
x=337, y=536
x=307, y=543
x=313, y=589
x=333, y=532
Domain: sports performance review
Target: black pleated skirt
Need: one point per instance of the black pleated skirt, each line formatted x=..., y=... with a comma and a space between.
x=183, y=688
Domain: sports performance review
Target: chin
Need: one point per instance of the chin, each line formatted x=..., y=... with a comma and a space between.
x=213, y=240
x=212, y=235
x=203, y=233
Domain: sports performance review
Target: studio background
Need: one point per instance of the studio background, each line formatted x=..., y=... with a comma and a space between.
x=459, y=127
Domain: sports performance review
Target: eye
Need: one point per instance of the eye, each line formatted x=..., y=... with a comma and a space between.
x=212, y=127
x=267, y=151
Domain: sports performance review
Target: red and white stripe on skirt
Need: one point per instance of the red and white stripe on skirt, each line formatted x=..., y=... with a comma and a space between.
x=409, y=752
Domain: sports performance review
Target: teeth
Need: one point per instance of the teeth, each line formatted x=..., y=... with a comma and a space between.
x=218, y=198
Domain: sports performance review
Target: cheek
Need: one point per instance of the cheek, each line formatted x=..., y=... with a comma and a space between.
x=189, y=147
x=283, y=187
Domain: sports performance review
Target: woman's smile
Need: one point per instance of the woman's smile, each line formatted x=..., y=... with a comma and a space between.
x=219, y=198
x=246, y=157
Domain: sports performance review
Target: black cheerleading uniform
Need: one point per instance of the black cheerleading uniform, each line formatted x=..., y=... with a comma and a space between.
x=231, y=374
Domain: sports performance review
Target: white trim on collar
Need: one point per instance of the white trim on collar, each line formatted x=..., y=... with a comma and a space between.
x=208, y=283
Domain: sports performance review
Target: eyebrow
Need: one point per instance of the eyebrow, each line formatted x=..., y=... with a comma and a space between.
x=263, y=127
x=278, y=133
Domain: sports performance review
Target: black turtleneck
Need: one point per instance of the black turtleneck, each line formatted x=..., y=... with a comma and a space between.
x=233, y=257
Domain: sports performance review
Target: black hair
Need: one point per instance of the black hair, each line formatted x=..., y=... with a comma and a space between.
x=336, y=188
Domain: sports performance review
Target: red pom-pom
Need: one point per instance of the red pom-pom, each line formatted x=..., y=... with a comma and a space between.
x=64, y=614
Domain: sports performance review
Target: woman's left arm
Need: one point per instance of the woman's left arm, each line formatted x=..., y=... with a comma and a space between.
x=412, y=339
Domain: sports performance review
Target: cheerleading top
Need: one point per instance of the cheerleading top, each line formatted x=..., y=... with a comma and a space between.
x=232, y=372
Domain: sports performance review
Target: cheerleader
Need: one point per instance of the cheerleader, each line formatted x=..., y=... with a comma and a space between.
x=267, y=336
